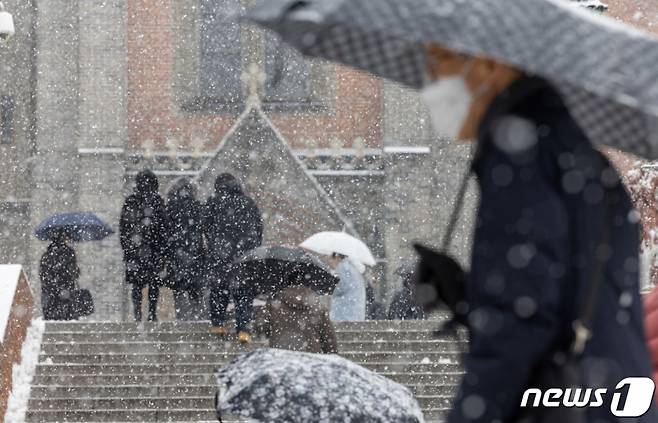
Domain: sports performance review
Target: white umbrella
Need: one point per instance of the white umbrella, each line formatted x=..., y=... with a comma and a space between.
x=327, y=243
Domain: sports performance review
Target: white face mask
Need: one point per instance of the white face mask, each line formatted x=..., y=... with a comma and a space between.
x=449, y=101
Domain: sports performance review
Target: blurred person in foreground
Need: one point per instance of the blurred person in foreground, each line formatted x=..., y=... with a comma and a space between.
x=142, y=232
x=299, y=322
x=232, y=225
x=544, y=193
x=650, y=302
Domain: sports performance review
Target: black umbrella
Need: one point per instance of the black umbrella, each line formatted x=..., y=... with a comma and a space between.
x=273, y=385
x=77, y=226
x=614, y=97
x=266, y=270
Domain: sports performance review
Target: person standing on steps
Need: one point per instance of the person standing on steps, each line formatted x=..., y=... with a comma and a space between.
x=58, y=271
x=348, y=302
x=185, y=249
x=403, y=306
x=232, y=224
x=142, y=232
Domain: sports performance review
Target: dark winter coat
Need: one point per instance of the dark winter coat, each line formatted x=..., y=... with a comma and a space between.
x=375, y=310
x=651, y=329
x=539, y=221
x=403, y=306
x=58, y=272
x=142, y=231
x=299, y=322
x=232, y=224
x=185, y=248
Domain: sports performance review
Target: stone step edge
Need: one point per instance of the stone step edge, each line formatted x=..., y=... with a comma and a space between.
x=177, y=410
x=211, y=374
x=150, y=332
x=388, y=352
x=256, y=343
x=41, y=353
x=170, y=398
x=176, y=386
x=362, y=363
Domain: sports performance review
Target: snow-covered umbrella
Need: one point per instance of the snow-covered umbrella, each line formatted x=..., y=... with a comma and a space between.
x=605, y=69
x=331, y=242
x=268, y=269
x=78, y=226
x=273, y=385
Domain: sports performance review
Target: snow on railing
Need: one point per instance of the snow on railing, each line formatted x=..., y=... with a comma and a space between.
x=9, y=277
x=23, y=373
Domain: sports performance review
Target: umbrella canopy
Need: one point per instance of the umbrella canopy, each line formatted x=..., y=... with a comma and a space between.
x=330, y=242
x=614, y=97
x=77, y=226
x=266, y=270
x=286, y=386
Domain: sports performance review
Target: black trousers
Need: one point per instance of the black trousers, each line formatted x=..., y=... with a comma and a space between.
x=221, y=295
x=139, y=279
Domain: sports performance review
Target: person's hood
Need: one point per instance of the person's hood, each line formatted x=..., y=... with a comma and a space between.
x=146, y=183
x=227, y=183
x=181, y=188
x=297, y=297
x=529, y=98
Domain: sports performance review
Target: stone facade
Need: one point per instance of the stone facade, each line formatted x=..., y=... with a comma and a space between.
x=293, y=205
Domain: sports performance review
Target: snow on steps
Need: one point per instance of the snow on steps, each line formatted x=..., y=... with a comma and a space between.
x=123, y=372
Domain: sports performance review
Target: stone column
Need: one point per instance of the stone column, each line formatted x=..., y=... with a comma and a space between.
x=56, y=162
x=103, y=135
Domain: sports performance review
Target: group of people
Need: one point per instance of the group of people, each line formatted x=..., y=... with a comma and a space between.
x=182, y=243
x=189, y=246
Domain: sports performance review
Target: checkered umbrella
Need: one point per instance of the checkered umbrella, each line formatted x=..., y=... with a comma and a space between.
x=607, y=71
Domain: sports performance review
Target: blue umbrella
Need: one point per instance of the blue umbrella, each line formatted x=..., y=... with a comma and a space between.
x=76, y=225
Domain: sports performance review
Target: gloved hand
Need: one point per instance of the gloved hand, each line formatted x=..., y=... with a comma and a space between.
x=439, y=279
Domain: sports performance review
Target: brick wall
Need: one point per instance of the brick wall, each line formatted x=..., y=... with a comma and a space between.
x=640, y=13
x=154, y=114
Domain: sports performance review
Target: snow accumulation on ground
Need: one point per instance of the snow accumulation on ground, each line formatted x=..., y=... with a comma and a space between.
x=9, y=274
x=23, y=373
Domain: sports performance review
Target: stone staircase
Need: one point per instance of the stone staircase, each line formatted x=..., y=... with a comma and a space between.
x=163, y=372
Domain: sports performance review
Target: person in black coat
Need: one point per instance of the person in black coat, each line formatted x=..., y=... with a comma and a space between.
x=545, y=196
x=142, y=232
x=375, y=310
x=58, y=272
x=185, y=249
x=403, y=305
x=232, y=225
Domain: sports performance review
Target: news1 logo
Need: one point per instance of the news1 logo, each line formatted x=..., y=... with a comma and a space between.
x=632, y=397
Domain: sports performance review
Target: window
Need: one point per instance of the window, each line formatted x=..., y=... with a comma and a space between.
x=6, y=119
x=220, y=50
x=213, y=50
